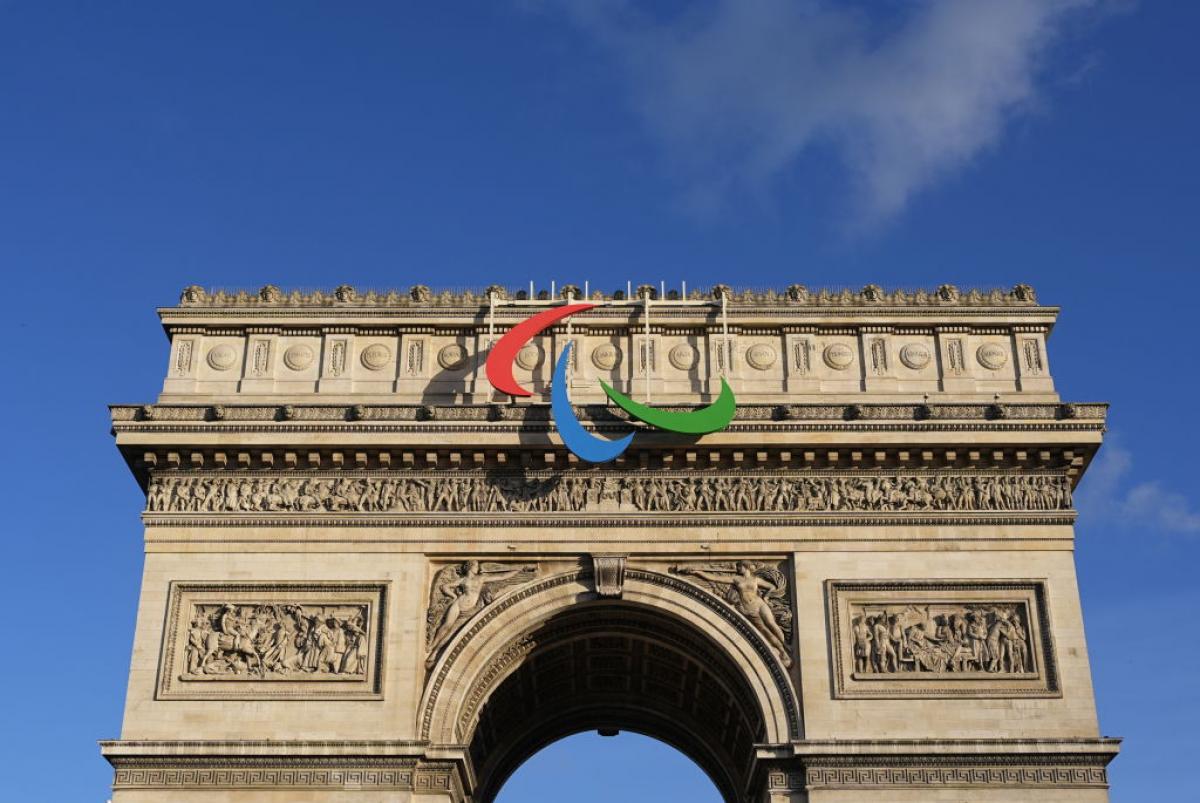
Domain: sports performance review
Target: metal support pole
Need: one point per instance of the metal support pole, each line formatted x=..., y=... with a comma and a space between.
x=568, y=299
x=646, y=346
x=727, y=355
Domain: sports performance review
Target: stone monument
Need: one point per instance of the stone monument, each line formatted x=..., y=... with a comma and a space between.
x=372, y=576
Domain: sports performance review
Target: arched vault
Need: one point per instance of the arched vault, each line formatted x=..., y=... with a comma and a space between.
x=666, y=659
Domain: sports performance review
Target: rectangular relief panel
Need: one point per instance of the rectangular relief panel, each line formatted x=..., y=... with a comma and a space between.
x=264, y=641
x=940, y=639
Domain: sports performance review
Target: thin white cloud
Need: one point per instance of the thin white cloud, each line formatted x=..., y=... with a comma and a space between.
x=737, y=91
x=1106, y=493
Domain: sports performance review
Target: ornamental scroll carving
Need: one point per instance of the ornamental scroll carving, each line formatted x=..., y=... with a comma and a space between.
x=459, y=591
x=567, y=493
x=759, y=591
x=941, y=638
x=263, y=641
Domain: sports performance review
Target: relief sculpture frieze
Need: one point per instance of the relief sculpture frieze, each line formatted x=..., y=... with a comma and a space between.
x=272, y=641
x=264, y=641
x=941, y=638
x=585, y=493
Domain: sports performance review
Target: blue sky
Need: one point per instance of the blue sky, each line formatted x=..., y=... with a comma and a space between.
x=145, y=146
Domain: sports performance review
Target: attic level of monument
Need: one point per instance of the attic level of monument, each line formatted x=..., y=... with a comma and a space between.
x=772, y=346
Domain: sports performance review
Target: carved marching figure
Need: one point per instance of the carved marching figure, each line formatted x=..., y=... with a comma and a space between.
x=461, y=590
x=751, y=588
x=513, y=493
x=862, y=644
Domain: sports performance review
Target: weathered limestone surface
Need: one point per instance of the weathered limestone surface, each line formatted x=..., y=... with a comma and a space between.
x=370, y=577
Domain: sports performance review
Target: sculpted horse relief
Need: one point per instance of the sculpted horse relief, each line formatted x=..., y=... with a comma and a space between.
x=276, y=641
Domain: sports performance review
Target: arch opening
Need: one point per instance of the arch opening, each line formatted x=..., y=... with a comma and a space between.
x=609, y=665
x=630, y=767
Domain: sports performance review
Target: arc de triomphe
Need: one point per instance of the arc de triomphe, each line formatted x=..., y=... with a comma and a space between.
x=370, y=576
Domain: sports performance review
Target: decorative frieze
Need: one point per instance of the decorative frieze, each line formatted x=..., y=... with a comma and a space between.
x=872, y=295
x=264, y=641
x=934, y=638
x=558, y=492
x=1045, y=774
x=332, y=773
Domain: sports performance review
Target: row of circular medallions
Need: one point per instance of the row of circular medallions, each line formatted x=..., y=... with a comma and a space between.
x=298, y=357
x=838, y=356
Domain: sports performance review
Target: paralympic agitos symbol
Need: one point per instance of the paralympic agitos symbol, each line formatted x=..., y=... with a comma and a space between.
x=586, y=446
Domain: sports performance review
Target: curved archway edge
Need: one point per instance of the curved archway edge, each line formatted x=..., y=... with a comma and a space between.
x=496, y=639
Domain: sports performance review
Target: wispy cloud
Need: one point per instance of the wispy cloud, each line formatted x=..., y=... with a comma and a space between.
x=1107, y=492
x=737, y=91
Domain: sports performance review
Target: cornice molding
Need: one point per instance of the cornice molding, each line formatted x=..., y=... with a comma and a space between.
x=423, y=297
x=525, y=415
x=603, y=521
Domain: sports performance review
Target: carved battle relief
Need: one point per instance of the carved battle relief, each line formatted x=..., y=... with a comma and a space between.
x=759, y=591
x=276, y=642
x=496, y=492
x=461, y=590
x=262, y=641
x=941, y=638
